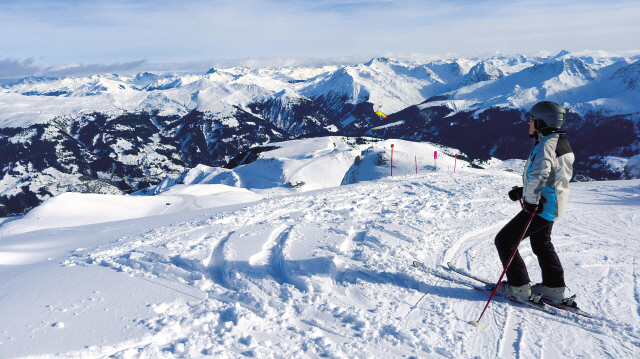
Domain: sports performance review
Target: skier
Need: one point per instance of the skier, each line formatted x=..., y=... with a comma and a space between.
x=546, y=185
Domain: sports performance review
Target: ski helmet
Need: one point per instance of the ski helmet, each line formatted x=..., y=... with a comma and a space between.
x=547, y=114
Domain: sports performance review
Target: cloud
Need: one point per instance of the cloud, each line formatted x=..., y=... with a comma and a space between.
x=601, y=53
x=12, y=69
x=204, y=65
x=91, y=69
x=15, y=68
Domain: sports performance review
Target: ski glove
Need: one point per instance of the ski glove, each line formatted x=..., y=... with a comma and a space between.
x=515, y=193
x=529, y=208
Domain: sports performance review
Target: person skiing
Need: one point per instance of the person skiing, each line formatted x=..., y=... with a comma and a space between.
x=545, y=190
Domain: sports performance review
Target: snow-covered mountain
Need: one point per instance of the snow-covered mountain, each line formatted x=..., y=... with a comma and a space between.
x=388, y=85
x=111, y=133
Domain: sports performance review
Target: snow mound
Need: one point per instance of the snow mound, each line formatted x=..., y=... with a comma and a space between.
x=511, y=165
x=76, y=209
x=632, y=167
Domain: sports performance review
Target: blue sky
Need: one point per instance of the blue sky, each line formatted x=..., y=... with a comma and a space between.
x=67, y=37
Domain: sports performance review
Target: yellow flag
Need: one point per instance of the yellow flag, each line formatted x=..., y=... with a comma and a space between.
x=381, y=114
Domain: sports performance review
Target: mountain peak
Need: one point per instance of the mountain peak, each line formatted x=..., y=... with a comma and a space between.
x=144, y=74
x=482, y=71
x=577, y=67
x=381, y=60
x=562, y=54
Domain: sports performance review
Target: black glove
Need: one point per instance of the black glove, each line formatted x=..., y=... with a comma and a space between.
x=515, y=194
x=529, y=208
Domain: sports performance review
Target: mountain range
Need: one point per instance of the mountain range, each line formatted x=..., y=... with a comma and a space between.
x=109, y=133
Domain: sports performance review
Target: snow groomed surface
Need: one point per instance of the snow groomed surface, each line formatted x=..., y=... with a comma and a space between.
x=322, y=274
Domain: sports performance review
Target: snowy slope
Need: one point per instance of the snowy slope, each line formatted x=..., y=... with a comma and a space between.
x=570, y=81
x=323, y=162
x=324, y=273
x=388, y=84
x=75, y=209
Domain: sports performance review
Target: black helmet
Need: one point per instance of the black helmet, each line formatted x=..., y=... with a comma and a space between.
x=547, y=114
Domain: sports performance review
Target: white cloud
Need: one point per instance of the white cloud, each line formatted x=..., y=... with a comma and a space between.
x=90, y=69
x=11, y=69
x=600, y=53
x=204, y=65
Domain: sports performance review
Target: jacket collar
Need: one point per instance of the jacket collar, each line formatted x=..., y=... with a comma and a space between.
x=548, y=134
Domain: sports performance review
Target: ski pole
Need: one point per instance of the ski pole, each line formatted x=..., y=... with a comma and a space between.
x=521, y=204
x=476, y=323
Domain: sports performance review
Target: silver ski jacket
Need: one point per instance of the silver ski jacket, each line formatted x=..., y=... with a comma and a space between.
x=547, y=174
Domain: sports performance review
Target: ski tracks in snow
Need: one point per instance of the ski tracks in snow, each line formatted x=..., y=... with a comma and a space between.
x=327, y=273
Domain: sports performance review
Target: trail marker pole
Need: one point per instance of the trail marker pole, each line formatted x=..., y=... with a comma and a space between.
x=435, y=158
x=416, y=164
x=392, y=160
x=455, y=162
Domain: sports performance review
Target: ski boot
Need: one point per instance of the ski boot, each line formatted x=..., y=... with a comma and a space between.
x=553, y=294
x=522, y=292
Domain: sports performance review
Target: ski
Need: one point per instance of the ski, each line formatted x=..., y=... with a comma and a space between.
x=539, y=305
x=571, y=305
x=528, y=304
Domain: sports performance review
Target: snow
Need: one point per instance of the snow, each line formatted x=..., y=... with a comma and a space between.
x=632, y=167
x=391, y=84
x=388, y=125
x=616, y=163
x=223, y=272
x=75, y=209
x=317, y=163
x=512, y=165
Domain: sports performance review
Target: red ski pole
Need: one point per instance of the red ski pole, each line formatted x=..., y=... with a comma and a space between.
x=476, y=323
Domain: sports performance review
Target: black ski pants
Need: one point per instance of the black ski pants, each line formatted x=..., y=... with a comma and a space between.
x=540, y=233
